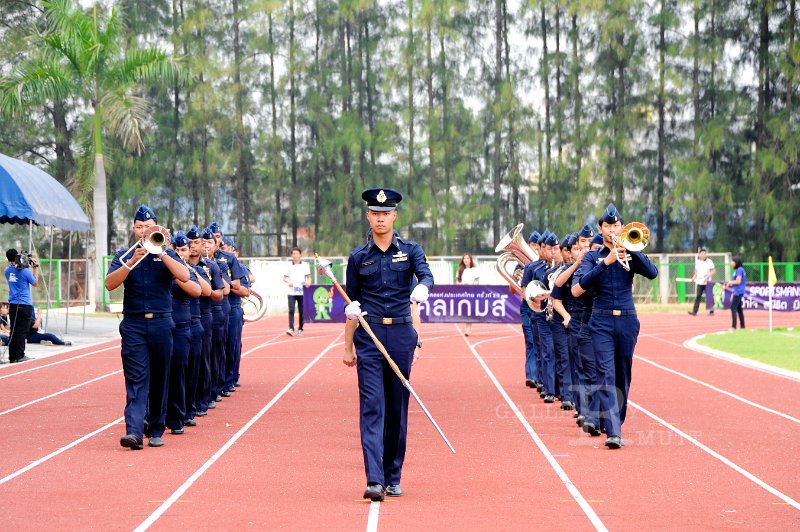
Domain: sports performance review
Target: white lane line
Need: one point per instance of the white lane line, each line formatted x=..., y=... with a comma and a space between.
x=65, y=390
x=720, y=390
x=374, y=512
x=712, y=452
x=692, y=343
x=58, y=451
x=573, y=490
x=147, y=523
x=59, y=362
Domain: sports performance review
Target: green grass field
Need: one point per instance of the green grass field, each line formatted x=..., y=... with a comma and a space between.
x=780, y=348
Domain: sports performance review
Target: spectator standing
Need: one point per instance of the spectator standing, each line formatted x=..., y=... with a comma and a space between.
x=298, y=275
x=703, y=272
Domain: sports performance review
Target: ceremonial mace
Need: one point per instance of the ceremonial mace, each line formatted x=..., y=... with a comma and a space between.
x=324, y=268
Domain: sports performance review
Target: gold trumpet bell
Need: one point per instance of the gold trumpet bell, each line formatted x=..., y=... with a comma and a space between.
x=635, y=236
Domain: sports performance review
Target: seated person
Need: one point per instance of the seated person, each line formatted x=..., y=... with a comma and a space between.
x=5, y=327
x=36, y=337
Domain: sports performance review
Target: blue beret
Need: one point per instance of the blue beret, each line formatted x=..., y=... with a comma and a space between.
x=228, y=241
x=381, y=199
x=215, y=228
x=552, y=240
x=180, y=239
x=586, y=231
x=193, y=233
x=544, y=236
x=535, y=236
x=144, y=213
x=207, y=234
x=611, y=215
x=597, y=239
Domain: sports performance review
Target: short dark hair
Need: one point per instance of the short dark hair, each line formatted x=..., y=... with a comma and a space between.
x=11, y=255
x=737, y=262
x=297, y=249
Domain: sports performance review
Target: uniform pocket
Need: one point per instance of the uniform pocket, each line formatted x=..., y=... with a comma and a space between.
x=400, y=271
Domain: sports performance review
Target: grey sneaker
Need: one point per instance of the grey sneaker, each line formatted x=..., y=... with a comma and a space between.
x=300, y=332
x=155, y=441
x=614, y=442
x=290, y=332
x=394, y=490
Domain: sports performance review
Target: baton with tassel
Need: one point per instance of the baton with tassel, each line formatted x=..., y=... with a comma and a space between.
x=324, y=268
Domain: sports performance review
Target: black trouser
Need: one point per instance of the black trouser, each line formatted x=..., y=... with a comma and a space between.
x=20, y=318
x=701, y=294
x=736, y=308
x=292, y=300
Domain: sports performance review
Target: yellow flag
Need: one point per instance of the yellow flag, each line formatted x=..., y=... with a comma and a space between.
x=772, y=279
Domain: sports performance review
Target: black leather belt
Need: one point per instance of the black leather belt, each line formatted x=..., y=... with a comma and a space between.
x=148, y=315
x=601, y=312
x=387, y=321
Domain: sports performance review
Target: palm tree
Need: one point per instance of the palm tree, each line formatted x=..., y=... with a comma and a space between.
x=81, y=55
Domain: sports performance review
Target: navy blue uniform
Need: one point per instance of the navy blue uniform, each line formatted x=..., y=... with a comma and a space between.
x=561, y=345
x=547, y=368
x=208, y=269
x=181, y=345
x=615, y=329
x=238, y=359
x=233, y=349
x=146, y=331
x=382, y=282
x=195, y=351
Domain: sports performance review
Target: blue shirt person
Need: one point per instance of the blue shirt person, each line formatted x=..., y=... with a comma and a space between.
x=614, y=325
x=738, y=284
x=21, y=274
x=146, y=331
x=380, y=275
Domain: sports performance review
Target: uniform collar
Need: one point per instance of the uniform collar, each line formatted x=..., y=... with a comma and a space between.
x=395, y=240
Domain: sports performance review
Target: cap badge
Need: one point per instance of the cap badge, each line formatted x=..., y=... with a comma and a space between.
x=381, y=197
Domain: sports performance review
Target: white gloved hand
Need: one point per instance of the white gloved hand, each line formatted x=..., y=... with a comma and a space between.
x=419, y=294
x=353, y=311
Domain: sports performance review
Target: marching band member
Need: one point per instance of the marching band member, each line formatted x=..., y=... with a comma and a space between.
x=615, y=327
x=207, y=270
x=380, y=274
x=233, y=350
x=558, y=326
x=182, y=295
x=219, y=320
x=532, y=378
x=146, y=349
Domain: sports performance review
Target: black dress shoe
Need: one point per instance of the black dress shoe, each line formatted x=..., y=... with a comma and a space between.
x=528, y=382
x=237, y=384
x=374, y=492
x=542, y=394
x=549, y=398
x=131, y=442
x=614, y=442
x=176, y=431
x=190, y=423
x=394, y=490
x=539, y=387
x=155, y=441
x=580, y=420
x=591, y=429
x=23, y=359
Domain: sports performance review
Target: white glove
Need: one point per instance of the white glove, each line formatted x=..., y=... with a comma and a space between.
x=353, y=311
x=419, y=294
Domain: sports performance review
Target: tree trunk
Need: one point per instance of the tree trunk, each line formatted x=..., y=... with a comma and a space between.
x=100, y=213
x=434, y=243
x=279, y=214
x=410, y=60
x=545, y=191
x=242, y=179
x=660, y=207
x=577, y=102
x=497, y=204
x=65, y=161
x=293, y=122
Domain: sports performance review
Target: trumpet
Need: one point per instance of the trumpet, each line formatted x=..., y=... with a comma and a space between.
x=514, y=249
x=155, y=240
x=254, y=306
x=634, y=237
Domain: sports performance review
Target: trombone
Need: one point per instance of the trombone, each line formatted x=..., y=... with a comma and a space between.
x=155, y=240
x=634, y=237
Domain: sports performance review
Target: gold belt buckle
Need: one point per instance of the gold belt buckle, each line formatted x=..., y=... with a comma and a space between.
x=616, y=313
x=148, y=315
x=386, y=321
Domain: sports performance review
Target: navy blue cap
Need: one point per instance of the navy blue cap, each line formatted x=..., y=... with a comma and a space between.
x=193, y=233
x=597, y=239
x=611, y=215
x=144, y=213
x=571, y=240
x=544, y=236
x=381, y=199
x=551, y=240
x=215, y=228
x=228, y=241
x=535, y=236
x=180, y=239
x=586, y=231
x=207, y=234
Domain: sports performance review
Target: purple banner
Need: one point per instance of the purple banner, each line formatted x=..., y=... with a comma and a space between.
x=446, y=304
x=785, y=297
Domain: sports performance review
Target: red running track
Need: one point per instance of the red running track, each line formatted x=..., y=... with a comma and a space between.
x=710, y=444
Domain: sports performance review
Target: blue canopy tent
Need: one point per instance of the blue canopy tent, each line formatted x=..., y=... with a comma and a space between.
x=29, y=196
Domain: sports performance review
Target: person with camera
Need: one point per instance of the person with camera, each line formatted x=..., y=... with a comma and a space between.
x=21, y=274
